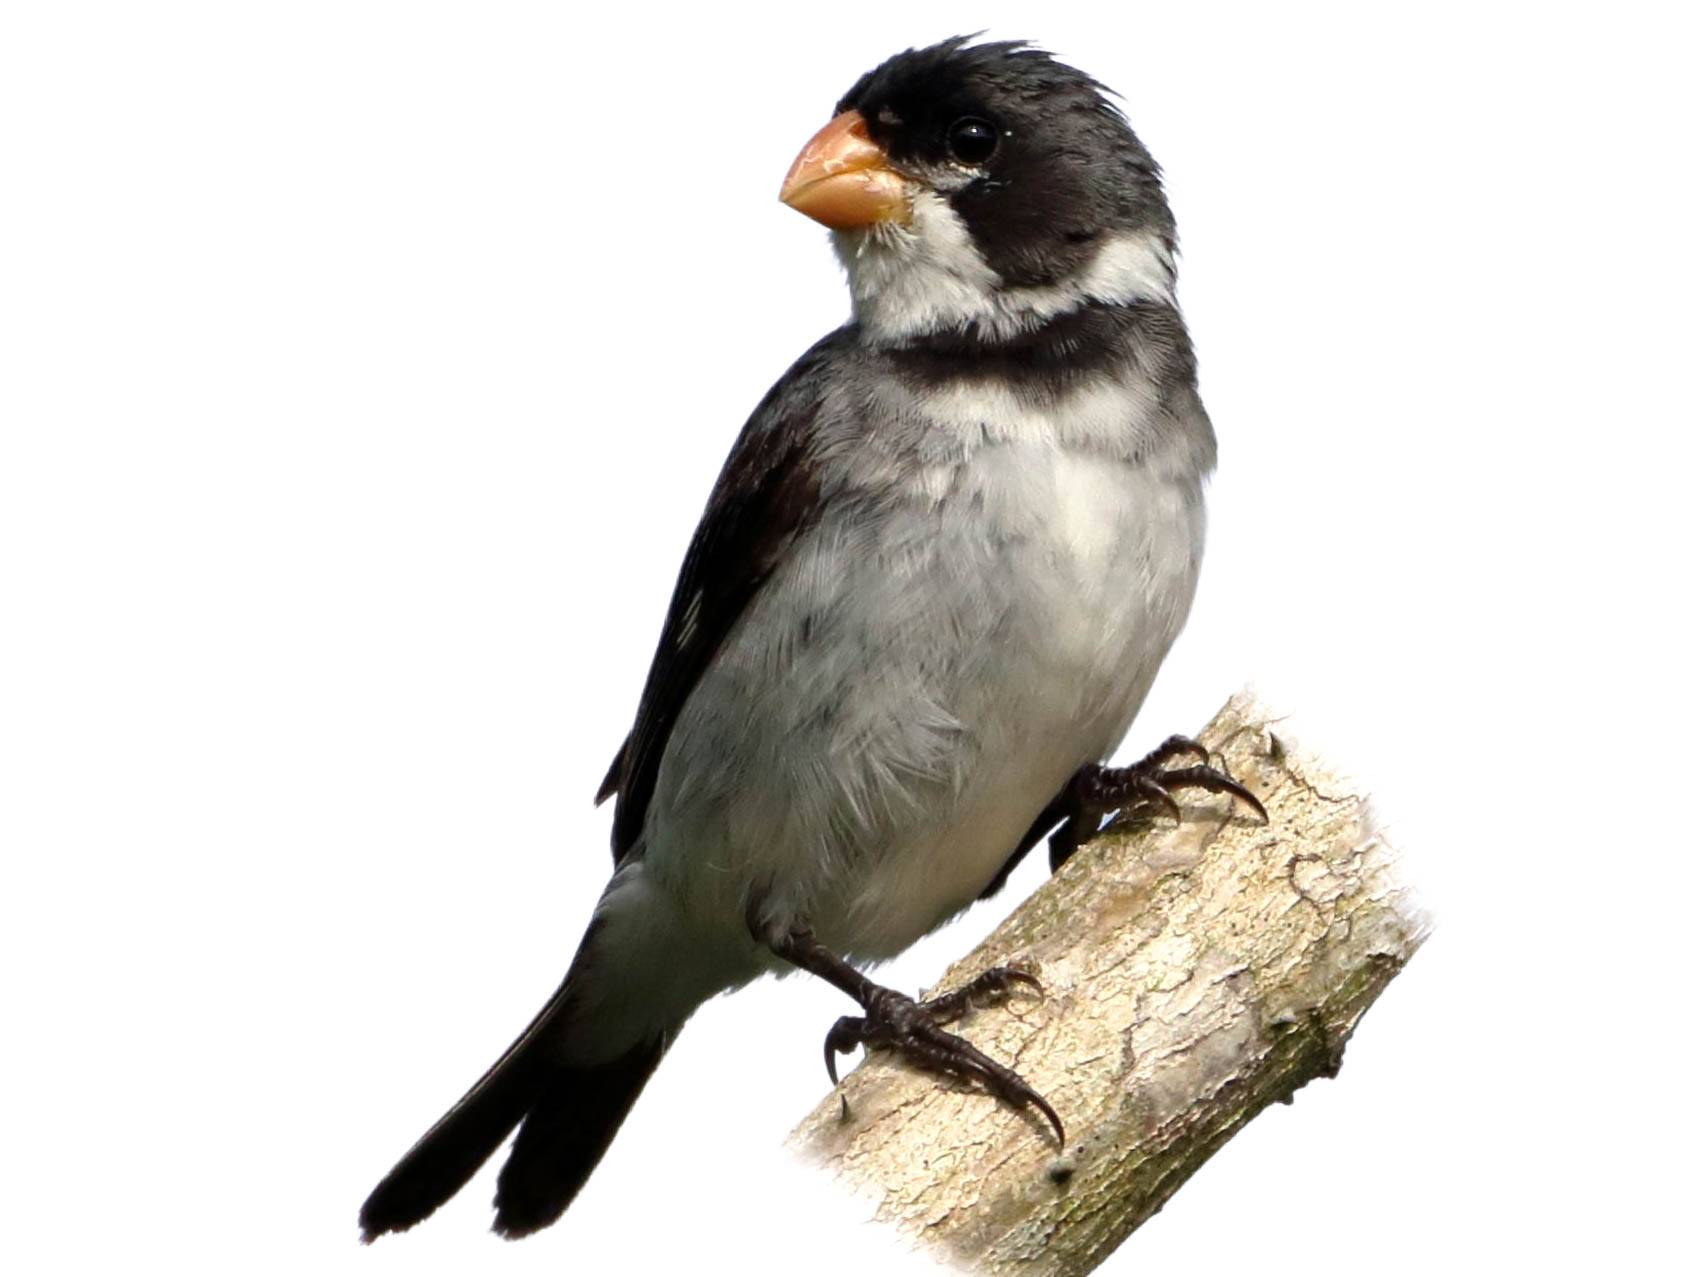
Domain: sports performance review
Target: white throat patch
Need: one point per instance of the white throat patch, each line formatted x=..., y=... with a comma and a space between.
x=928, y=277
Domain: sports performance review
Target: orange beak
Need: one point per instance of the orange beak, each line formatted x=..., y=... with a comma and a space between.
x=841, y=178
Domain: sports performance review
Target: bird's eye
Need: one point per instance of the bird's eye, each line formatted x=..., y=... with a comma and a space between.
x=971, y=141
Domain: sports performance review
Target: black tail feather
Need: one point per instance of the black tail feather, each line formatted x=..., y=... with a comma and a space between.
x=565, y=1134
x=463, y=1139
x=567, y=1116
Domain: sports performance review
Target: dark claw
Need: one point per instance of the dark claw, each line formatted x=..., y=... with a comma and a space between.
x=1014, y=976
x=909, y=1027
x=1153, y=790
x=945, y=1053
x=1213, y=781
x=1097, y=791
x=1022, y=1093
x=1009, y=1086
x=996, y=981
x=1175, y=747
x=844, y=1038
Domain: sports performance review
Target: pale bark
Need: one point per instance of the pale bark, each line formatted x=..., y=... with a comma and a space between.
x=1193, y=974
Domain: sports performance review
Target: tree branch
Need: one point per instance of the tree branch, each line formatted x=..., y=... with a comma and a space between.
x=1193, y=975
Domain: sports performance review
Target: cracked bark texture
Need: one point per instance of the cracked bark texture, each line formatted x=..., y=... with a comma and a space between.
x=1193, y=974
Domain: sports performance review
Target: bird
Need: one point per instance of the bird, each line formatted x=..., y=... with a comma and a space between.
x=930, y=589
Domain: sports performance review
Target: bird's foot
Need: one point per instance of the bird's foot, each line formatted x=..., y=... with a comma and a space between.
x=912, y=1028
x=1096, y=792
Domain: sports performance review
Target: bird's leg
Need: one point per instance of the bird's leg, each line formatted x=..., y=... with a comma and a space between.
x=912, y=1028
x=1095, y=792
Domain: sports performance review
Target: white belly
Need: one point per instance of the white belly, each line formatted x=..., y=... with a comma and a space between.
x=913, y=686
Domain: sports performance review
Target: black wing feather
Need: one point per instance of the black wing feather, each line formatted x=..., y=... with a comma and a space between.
x=767, y=493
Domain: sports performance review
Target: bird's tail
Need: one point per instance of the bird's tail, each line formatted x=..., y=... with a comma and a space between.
x=568, y=1082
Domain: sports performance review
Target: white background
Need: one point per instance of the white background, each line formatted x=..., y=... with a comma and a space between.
x=363, y=370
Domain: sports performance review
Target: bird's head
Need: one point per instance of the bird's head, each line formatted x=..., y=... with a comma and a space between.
x=983, y=188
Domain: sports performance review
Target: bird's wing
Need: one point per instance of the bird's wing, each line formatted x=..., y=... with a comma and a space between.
x=766, y=494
